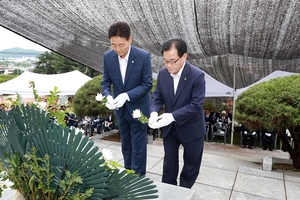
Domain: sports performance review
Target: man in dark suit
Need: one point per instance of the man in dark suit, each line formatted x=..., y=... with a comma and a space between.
x=214, y=115
x=181, y=89
x=128, y=70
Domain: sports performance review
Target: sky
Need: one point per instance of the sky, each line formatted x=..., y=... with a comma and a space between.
x=9, y=40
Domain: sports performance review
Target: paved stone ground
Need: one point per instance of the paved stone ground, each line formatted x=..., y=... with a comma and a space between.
x=254, y=156
x=246, y=157
x=227, y=172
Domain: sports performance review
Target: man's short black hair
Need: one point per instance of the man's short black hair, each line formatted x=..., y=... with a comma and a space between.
x=120, y=29
x=178, y=43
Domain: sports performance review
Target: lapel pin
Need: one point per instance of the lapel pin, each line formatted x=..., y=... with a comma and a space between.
x=132, y=62
x=185, y=79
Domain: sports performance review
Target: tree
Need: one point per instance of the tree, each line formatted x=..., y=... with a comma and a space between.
x=274, y=105
x=17, y=71
x=45, y=64
x=84, y=102
x=53, y=63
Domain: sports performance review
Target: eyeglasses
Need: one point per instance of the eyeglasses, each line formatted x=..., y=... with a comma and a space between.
x=171, y=62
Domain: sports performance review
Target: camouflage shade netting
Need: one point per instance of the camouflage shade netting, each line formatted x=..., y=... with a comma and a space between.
x=254, y=37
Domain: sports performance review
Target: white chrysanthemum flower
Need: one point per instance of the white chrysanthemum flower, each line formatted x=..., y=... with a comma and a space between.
x=136, y=113
x=99, y=97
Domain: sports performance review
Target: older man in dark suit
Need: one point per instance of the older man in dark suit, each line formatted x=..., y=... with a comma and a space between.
x=181, y=89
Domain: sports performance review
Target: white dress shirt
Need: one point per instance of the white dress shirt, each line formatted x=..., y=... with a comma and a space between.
x=123, y=64
x=176, y=78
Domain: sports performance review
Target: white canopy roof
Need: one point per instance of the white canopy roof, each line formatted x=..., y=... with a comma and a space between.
x=214, y=88
x=275, y=74
x=68, y=83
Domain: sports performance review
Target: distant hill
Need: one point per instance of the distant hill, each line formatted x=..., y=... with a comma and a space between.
x=19, y=52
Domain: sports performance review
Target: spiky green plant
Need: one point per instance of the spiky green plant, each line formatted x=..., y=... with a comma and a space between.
x=29, y=127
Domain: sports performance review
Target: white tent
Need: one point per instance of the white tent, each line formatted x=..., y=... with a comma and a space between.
x=273, y=75
x=214, y=88
x=68, y=83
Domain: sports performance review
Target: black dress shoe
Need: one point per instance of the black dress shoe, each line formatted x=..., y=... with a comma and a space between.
x=271, y=149
x=91, y=135
x=265, y=148
x=250, y=147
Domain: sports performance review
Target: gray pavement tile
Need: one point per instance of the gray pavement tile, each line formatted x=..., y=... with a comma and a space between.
x=156, y=151
x=151, y=162
x=216, y=177
x=227, y=161
x=154, y=177
x=100, y=143
x=258, y=172
x=213, y=164
x=259, y=185
x=292, y=190
x=207, y=192
x=244, y=196
x=115, y=146
x=172, y=192
x=292, y=178
x=158, y=168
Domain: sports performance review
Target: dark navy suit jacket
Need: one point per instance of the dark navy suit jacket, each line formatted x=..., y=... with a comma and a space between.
x=186, y=105
x=137, y=83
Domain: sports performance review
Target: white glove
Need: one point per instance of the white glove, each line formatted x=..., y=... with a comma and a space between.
x=110, y=100
x=152, y=119
x=110, y=103
x=164, y=120
x=120, y=100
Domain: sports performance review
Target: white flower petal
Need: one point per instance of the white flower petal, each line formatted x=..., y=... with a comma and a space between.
x=136, y=113
x=99, y=97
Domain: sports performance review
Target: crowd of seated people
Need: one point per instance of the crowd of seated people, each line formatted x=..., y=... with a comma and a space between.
x=87, y=124
x=214, y=118
x=101, y=123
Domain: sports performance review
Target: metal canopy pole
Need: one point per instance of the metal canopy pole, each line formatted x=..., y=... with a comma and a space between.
x=233, y=109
